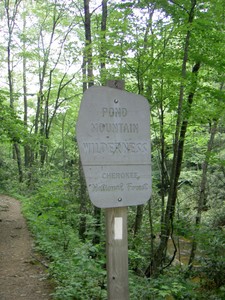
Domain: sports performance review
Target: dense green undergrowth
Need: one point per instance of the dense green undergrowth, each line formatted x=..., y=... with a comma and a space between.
x=53, y=219
x=78, y=267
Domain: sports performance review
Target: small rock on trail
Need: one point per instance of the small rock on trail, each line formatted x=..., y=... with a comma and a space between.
x=21, y=277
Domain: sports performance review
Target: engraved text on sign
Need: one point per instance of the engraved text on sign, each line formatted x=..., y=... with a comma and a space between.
x=114, y=141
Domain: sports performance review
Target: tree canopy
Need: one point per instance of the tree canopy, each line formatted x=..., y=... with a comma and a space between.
x=172, y=53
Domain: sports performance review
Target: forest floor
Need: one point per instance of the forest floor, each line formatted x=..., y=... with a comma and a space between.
x=22, y=276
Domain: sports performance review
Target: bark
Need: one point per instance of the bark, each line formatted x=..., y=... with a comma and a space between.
x=164, y=173
x=140, y=81
x=202, y=201
x=88, y=43
x=103, y=41
x=138, y=219
x=43, y=100
x=38, y=123
x=64, y=146
x=97, y=211
x=27, y=147
x=140, y=71
x=84, y=72
x=83, y=200
x=87, y=72
x=11, y=13
x=19, y=161
x=97, y=225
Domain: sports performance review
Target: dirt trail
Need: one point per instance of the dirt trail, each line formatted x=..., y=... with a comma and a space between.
x=21, y=276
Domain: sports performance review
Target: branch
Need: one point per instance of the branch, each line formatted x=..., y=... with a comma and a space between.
x=182, y=7
x=94, y=10
x=175, y=247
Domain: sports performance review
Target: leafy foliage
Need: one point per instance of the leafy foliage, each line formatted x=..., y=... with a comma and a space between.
x=53, y=218
x=11, y=126
x=144, y=44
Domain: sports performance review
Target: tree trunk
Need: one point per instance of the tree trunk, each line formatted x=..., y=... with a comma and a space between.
x=83, y=200
x=97, y=211
x=202, y=201
x=88, y=43
x=27, y=147
x=138, y=219
x=160, y=255
x=140, y=82
x=181, y=127
x=87, y=72
x=103, y=42
x=11, y=21
x=19, y=161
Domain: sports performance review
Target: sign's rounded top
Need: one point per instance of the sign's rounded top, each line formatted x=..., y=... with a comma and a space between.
x=100, y=91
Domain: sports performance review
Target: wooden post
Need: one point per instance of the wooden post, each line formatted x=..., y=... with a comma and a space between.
x=117, y=253
x=117, y=242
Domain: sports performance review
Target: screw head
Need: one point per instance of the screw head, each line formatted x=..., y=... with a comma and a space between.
x=119, y=199
x=116, y=100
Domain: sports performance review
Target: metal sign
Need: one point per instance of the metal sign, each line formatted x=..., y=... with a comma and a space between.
x=113, y=135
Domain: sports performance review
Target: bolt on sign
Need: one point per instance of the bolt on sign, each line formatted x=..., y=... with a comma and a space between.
x=113, y=134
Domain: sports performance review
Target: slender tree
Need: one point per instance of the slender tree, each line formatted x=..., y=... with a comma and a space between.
x=87, y=72
x=181, y=128
x=11, y=15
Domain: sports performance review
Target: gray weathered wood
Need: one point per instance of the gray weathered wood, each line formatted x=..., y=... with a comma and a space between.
x=116, y=84
x=117, y=255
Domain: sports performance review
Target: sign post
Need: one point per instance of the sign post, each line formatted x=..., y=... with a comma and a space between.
x=117, y=243
x=113, y=135
x=117, y=253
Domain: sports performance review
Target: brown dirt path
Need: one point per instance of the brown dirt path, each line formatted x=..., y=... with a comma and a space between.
x=21, y=276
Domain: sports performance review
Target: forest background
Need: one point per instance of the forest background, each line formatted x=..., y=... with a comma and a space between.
x=172, y=53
